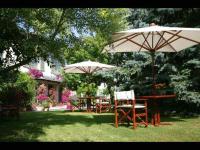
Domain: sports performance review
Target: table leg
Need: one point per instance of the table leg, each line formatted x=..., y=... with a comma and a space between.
x=156, y=115
x=88, y=105
x=157, y=122
x=153, y=118
x=79, y=104
x=156, y=119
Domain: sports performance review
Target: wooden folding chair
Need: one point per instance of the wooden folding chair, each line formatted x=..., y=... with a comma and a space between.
x=103, y=104
x=75, y=102
x=126, y=109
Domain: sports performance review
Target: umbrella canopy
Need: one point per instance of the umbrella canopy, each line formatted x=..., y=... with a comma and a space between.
x=87, y=67
x=154, y=38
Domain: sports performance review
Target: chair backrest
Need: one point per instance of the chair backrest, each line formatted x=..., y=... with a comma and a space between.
x=108, y=96
x=73, y=96
x=82, y=95
x=105, y=97
x=124, y=95
x=73, y=93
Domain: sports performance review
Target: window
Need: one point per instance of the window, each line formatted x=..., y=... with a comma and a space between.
x=42, y=65
x=33, y=64
x=56, y=66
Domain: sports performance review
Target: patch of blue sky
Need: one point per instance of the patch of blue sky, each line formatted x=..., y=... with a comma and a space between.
x=22, y=24
x=85, y=33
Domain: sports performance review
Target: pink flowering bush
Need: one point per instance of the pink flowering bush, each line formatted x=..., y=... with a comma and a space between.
x=65, y=95
x=35, y=73
x=66, y=98
x=42, y=97
x=52, y=97
x=41, y=93
x=52, y=94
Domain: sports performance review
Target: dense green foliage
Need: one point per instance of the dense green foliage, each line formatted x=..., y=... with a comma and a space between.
x=88, y=89
x=103, y=23
x=178, y=71
x=22, y=91
x=91, y=44
x=28, y=85
x=72, y=34
x=31, y=34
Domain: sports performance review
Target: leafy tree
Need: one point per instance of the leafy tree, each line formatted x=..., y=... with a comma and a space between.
x=72, y=34
x=178, y=70
x=103, y=23
x=92, y=42
x=30, y=34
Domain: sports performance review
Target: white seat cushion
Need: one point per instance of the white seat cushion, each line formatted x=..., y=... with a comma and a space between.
x=129, y=106
x=139, y=106
x=124, y=106
x=103, y=102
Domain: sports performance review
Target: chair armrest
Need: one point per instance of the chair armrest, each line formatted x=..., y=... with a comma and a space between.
x=141, y=99
x=104, y=99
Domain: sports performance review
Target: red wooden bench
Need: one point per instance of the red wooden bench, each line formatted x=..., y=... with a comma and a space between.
x=10, y=110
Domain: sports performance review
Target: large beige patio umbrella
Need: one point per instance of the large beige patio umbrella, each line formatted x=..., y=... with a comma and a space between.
x=154, y=38
x=87, y=67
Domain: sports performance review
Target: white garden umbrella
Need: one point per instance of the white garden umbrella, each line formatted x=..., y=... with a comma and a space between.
x=87, y=67
x=154, y=38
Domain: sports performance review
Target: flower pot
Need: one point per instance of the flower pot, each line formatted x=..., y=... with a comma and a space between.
x=39, y=108
x=24, y=109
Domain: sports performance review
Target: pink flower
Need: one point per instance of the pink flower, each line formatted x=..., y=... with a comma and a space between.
x=42, y=97
x=58, y=77
x=65, y=96
x=35, y=73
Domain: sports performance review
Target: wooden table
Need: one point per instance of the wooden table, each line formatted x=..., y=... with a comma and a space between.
x=155, y=119
x=88, y=100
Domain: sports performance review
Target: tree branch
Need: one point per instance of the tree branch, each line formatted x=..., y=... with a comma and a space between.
x=7, y=69
x=60, y=23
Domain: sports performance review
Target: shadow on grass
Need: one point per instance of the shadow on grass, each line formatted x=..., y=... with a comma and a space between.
x=31, y=124
x=176, y=118
x=172, y=119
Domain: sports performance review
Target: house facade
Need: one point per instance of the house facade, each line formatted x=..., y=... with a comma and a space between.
x=51, y=75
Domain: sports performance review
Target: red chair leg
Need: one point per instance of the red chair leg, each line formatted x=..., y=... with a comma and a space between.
x=146, y=115
x=116, y=119
x=134, y=120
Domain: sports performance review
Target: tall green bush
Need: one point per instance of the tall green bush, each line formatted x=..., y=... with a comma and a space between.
x=22, y=90
x=27, y=85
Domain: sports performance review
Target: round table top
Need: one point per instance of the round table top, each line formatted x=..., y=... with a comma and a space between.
x=158, y=96
x=89, y=97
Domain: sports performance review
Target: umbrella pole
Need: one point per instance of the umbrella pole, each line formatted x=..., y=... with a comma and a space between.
x=153, y=72
x=88, y=100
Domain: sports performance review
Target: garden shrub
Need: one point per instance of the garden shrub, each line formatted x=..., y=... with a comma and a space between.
x=22, y=91
x=27, y=85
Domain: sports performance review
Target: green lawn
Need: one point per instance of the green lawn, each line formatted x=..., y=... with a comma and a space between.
x=77, y=126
